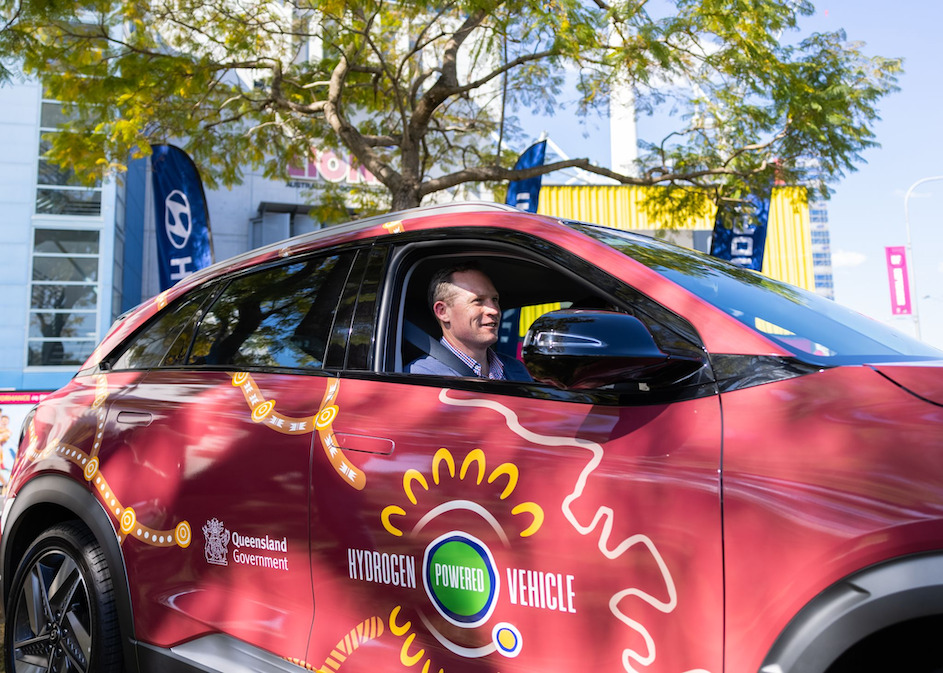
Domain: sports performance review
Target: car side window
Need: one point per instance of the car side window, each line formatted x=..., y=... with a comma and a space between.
x=279, y=317
x=146, y=350
x=531, y=286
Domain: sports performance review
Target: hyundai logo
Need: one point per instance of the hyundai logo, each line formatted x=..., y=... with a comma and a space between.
x=177, y=219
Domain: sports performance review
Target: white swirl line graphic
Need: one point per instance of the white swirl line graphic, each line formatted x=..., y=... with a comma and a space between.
x=604, y=515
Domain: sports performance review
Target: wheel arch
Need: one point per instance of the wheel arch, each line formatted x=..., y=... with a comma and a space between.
x=856, y=608
x=50, y=499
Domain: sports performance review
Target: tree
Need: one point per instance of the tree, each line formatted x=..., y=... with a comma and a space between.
x=422, y=93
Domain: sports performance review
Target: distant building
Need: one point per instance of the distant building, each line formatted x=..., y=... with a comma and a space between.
x=821, y=249
x=63, y=248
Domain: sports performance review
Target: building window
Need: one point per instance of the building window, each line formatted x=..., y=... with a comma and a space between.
x=58, y=190
x=63, y=315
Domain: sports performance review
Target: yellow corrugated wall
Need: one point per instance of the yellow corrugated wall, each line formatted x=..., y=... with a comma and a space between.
x=613, y=206
x=789, y=239
x=788, y=254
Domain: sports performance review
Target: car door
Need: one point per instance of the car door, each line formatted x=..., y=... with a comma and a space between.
x=501, y=526
x=212, y=450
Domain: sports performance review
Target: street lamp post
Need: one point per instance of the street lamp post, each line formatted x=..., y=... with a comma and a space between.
x=910, y=252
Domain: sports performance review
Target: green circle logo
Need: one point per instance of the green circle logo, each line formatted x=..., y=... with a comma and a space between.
x=461, y=579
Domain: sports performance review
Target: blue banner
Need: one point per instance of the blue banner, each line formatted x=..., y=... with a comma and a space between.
x=740, y=232
x=524, y=194
x=184, y=244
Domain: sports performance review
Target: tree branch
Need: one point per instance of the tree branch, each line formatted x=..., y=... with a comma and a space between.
x=498, y=173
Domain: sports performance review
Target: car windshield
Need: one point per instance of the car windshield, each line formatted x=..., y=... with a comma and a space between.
x=815, y=329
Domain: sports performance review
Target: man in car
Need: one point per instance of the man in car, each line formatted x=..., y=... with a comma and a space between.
x=465, y=304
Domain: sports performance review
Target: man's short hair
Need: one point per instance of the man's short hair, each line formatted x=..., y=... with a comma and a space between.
x=442, y=278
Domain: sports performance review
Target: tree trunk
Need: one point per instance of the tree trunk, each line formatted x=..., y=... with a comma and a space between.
x=407, y=196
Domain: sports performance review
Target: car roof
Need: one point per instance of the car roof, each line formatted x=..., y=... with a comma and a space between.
x=347, y=229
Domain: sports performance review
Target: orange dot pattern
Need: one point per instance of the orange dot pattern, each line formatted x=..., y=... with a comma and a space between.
x=125, y=517
x=263, y=411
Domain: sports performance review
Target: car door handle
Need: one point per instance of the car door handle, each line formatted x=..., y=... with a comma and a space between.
x=134, y=417
x=364, y=443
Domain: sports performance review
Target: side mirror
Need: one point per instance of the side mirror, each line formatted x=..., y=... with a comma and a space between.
x=580, y=349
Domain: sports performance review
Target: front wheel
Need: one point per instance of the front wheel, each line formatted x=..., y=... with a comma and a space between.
x=61, y=614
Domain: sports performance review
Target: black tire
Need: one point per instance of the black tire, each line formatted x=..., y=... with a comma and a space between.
x=912, y=647
x=61, y=612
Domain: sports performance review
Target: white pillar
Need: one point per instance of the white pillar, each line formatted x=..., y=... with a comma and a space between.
x=623, y=138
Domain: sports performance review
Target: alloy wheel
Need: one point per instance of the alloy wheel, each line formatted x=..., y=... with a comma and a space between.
x=52, y=620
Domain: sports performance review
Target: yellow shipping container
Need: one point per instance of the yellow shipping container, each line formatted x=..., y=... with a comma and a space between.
x=788, y=255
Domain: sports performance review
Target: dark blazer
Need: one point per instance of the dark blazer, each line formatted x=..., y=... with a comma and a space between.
x=513, y=369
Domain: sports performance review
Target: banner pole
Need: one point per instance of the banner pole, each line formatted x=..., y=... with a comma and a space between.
x=910, y=251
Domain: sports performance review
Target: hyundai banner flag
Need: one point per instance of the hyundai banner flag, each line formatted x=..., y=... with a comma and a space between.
x=524, y=194
x=183, y=227
x=740, y=232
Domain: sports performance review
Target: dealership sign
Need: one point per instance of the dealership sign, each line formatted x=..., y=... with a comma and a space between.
x=330, y=166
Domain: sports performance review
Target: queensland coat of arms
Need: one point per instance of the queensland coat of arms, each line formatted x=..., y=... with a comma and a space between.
x=216, y=547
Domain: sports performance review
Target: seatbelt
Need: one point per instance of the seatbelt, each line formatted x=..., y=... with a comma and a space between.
x=421, y=340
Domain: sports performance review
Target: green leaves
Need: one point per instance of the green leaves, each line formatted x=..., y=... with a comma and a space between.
x=424, y=94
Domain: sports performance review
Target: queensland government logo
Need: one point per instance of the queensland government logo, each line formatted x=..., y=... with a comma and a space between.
x=216, y=547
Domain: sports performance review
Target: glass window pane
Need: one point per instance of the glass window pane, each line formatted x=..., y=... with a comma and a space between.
x=52, y=116
x=65, y=268
x=66, y=241
x=362, y=332
x=52, y=174
x=62, y=325
x=54, y=353
x=147, y=348
x=64, y=296
x=279, y=317
x=68, y=202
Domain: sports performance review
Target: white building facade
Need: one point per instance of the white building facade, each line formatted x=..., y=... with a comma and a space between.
x=78, y=257
x=58, y=283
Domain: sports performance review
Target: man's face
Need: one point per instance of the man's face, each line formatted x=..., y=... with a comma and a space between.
x=472, y=313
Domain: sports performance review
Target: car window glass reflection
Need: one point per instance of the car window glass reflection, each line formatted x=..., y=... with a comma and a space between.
x=148, y=348
x=280, y=317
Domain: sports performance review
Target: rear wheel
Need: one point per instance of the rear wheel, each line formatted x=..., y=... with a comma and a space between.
x=61, y=614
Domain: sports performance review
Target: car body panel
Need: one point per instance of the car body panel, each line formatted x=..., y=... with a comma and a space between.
x=241, y=486
x=823, y=475
x=616, y=511
x=924, y=380
x=167, y=463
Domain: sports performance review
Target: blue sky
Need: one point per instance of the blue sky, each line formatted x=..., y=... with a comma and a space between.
x=866, y=211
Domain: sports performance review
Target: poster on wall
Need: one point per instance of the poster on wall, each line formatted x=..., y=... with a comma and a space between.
x=14, y=406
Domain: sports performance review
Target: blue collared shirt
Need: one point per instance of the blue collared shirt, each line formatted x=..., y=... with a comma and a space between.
x=495, y=366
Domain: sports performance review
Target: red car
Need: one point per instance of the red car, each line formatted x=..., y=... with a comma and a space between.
x=711, y=471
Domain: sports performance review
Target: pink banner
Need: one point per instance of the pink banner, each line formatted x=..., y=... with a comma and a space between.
x=898, y=280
